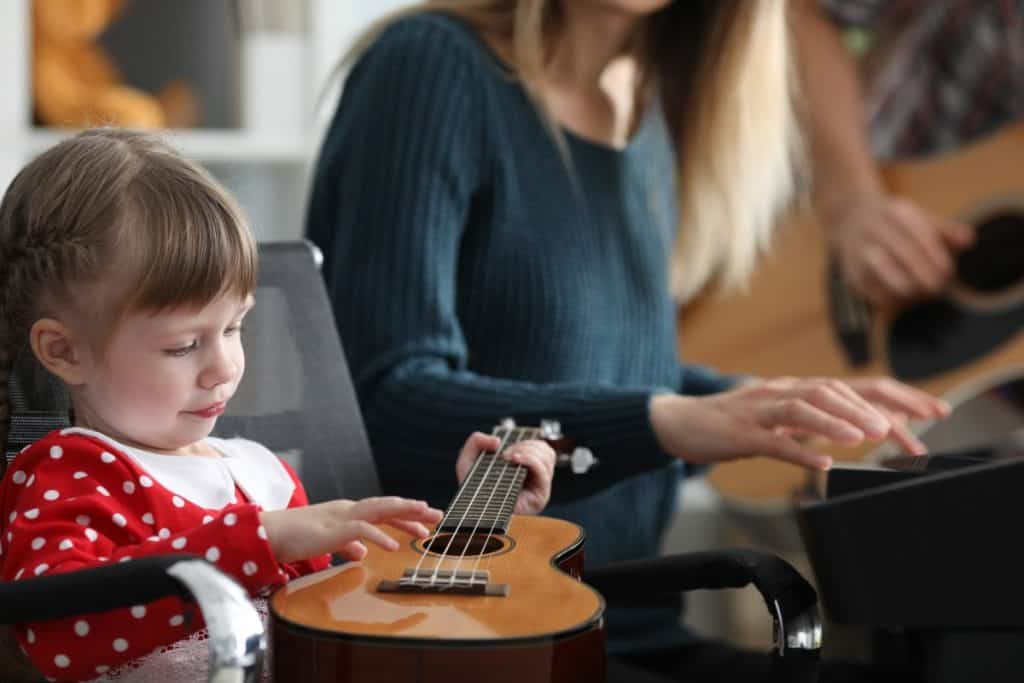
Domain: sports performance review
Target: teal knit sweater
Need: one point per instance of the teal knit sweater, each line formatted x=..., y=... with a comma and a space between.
x=475, y=275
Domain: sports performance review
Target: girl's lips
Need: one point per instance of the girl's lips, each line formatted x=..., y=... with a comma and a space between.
x=209, y=411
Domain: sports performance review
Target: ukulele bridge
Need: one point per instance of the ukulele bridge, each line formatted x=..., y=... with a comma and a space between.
x=459, y=582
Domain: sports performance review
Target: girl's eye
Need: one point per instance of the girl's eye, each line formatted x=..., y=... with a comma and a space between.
x=184, y=350
x=239, y=328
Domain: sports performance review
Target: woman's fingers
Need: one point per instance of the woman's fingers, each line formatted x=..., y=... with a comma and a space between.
x=782, y=447
x=839, y=400
x=477, y=443
x=901, y=398
x=799, y=415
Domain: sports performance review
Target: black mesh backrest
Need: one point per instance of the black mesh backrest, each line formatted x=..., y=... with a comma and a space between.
x=296, y=397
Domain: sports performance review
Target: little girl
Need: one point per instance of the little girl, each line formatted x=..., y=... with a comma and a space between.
x=127, y=272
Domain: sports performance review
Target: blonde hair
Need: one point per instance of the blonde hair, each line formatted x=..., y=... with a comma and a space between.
x=723, y=72
x=114, y=201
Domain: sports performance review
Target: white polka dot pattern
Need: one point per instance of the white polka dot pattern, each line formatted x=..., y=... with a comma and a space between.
x=79, y=475
x=19, y=477
x=107, y=457
x=176, y=620
x=213, y=554
x=179, y=543
x=65, y=544
x=62, y=661
x=119, y=519
x=91, y=535
x=51, y=495
x=148, y=518
x=177, y=502
x=230, y=519
x=129, y=487
x=82, y=628
x=32, y=514
x=164, y=533
x=83, y=520
x=38, y=542
x=120, y=645
x=103, y=491
x=56, y=452
x=41, y=568
x=249, y=568
x=139, y=611
x=145, y=481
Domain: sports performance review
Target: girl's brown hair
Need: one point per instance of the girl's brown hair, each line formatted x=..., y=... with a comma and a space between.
x=108, y=222
x=723, y=73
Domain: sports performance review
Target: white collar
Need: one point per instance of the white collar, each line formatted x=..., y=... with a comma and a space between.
x=210, y=482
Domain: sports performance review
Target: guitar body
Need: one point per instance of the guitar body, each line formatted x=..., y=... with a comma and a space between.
x=337, y=625
x=783, y=326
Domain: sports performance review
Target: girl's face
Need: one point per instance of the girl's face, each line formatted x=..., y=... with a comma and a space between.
x=164, y=378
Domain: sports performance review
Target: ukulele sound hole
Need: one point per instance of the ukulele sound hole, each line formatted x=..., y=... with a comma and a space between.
x=993, y=263
x=463, y=544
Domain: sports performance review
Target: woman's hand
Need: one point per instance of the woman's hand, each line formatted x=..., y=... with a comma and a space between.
x=536, y=456
x=343, y=526
x=768, y=417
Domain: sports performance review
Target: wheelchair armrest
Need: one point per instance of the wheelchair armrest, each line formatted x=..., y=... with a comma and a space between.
x=236, y=635
x=791, y=600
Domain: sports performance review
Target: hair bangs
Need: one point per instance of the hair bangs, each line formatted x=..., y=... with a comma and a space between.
x=191, y=242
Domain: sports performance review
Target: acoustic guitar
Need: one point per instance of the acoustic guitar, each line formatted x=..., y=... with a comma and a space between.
x=489, y=596
x=798, y=318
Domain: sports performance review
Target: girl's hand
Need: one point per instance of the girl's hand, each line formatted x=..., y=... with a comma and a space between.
x=343, y=526
x=536, y=456
x=764, y=417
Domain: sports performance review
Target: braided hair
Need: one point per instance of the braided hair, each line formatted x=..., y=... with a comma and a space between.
x=113, y=201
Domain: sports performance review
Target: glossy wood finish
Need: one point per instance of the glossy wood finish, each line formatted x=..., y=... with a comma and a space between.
x=335, y=622
x=781, y=325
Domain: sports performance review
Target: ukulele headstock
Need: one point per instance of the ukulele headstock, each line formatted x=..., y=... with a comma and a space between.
x=578, y=458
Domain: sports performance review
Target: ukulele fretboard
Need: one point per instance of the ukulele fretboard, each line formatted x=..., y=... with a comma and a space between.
x=486, y=499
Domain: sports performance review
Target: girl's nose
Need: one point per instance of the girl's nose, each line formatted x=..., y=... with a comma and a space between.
x=221, y=368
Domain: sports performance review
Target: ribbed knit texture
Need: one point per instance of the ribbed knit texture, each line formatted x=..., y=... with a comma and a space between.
x=474, y=277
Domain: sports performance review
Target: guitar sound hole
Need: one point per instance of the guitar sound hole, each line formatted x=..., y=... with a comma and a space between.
x=993, y=263
x=479, y=544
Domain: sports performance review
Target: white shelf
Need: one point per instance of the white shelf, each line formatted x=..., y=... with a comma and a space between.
x=203, y=145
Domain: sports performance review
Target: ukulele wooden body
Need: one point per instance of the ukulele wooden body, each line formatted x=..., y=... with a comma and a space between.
x=536, y=622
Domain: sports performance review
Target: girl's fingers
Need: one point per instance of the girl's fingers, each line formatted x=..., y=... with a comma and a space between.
x=383, y=508
x=354, y=550
x=412, y=528
x=368, y=533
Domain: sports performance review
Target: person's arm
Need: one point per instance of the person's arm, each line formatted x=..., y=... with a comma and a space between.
x=889, y=249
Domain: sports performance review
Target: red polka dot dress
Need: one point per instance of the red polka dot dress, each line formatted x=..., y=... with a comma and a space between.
x=77, y=499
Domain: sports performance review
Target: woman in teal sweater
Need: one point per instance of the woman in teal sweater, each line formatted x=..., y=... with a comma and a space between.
x=498, y=200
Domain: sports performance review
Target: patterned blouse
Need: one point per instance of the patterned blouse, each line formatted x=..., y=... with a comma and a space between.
x=939, y=73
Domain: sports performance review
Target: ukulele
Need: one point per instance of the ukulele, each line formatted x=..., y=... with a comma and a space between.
x=797, y=317
x=488, y=596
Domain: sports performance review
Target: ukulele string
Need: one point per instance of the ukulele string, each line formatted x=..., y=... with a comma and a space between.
x=433, y=539
x=515, y=468
x=506, y=466
x=458, y=527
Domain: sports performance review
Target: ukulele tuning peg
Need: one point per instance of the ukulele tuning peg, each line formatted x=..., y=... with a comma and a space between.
x=550, y=429
x=580, y=460
x=507, y=423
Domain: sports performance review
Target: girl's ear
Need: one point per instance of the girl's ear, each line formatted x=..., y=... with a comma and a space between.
x=58, y=350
